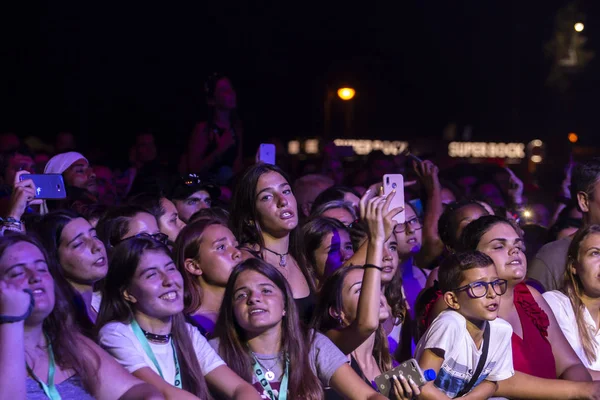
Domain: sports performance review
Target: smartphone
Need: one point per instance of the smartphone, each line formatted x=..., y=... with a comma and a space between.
x=409, y=368
x=47, y=186
x=266, y=153
x=414, y=158
x=395, y=182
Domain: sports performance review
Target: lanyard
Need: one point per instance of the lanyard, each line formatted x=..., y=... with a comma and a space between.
x=49, y=389
x=265, y=383
x=146, y=346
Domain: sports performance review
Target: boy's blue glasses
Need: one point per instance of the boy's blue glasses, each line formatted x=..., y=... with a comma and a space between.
x=479, y=289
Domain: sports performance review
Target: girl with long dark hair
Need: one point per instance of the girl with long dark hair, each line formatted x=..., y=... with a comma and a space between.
x=143, y=327
x=42, y=353
x=264, y=218
x=261, y=338
x=79, y=255
x=205, y=254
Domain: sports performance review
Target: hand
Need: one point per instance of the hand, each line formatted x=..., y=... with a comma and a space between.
x=515, y=187
x=22, y=195
x=18, y=181
x=428, y=175
x=405, y=389
x=371, y=212
x=225, y=141
x=14, y=302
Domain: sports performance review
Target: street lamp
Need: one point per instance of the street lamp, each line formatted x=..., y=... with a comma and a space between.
x=346, y=93
x=579, y=27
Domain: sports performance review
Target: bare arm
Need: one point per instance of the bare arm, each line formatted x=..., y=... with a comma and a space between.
x=229, y=384
x=379, y=221
x=528, y=387
x=169, y=391
x=431, y=359
x=432, y=244
x=12, y=361
x=483, y=391
x=347, y=383
x=113, y=381
x=568, y=364
x=13, y=302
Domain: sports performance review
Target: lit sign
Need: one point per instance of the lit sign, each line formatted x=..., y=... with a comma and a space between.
x=486, y=150
x=364, y=146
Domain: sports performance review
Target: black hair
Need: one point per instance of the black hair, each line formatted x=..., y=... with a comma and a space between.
x=331, y=194
x=584, y=178
x=451, y=273
x=447, y=224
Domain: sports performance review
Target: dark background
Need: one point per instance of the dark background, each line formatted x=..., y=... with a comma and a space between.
x=106, y=71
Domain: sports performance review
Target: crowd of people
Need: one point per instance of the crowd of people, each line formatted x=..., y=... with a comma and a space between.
x=233, y=279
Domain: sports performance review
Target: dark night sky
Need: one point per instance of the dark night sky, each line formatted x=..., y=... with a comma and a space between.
x=116, y=69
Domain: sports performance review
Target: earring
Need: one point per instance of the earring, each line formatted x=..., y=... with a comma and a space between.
x=340, y=322
x=283, y=314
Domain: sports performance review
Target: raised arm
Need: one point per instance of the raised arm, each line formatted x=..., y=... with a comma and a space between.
x=432, y=244
x=347, y=383
x=374, y=211
x=13, y=302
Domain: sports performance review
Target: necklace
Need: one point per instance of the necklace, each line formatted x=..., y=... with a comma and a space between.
x=270, y=375
x=157, y=338
x=282, y=257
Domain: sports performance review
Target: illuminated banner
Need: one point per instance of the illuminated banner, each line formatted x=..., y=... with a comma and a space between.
x=364, y=146
x=360, y=146
x=486, y=150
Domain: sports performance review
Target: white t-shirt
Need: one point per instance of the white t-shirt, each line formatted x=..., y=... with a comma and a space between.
x=563, y=311
x=120, y=341
x=448, y=332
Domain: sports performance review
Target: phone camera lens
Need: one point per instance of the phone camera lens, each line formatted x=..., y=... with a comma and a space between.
x=394, y=185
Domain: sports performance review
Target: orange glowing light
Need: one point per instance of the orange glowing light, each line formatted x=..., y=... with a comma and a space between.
x=346, y=93
x=573, y=138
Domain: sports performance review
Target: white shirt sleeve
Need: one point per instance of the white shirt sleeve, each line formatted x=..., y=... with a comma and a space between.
x=120, y=342
x=565, y=316
x=502, y=341
x=207, y=356
x=444, y=332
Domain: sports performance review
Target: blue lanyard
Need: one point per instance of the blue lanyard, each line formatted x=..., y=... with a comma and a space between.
x=283, y=388
x=148, y=350
x=49, y=389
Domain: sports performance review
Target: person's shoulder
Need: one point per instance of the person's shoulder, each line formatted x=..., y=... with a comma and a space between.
x=550, y=249
x=556, y=296
x=451, y=318
x=501, y=326
x=115, y=327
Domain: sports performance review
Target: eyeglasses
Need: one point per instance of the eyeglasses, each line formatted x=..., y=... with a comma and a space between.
x=480, y=289
x=159, y=237
x=414, y=224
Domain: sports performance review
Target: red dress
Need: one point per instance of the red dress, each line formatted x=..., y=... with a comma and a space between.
x=532, y=354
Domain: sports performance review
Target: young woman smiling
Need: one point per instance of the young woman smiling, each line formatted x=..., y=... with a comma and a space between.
x=42, y=353
x=143, y=327
x=260, y=337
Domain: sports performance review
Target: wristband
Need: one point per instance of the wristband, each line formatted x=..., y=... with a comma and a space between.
x=367, y=266
x=7, y=319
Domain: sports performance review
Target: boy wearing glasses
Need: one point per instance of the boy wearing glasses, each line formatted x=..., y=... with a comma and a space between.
x=455, y=343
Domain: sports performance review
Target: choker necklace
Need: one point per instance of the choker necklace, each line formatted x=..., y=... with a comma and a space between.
x=157, y=338
x=282, y=257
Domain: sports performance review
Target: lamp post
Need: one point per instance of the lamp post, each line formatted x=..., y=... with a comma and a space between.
x=346, y=94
